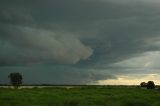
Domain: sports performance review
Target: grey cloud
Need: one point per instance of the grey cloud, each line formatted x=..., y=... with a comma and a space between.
x=90, y=33
x=42, y=46
x=55, y=75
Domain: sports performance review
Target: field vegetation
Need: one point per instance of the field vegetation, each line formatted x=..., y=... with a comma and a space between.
x=80, y=96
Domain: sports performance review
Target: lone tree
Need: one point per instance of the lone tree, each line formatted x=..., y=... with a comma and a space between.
x=15, y=79
x=150, y=85
x=143, y=84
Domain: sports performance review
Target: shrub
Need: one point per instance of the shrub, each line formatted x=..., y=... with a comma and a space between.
x=150, y=85
x=143, y=84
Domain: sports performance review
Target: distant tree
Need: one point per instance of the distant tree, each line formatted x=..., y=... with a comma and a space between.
x=15, y=79
x=143, y=84
x=150, y=85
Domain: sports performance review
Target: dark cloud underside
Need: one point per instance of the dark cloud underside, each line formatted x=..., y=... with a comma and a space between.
x=75, y=41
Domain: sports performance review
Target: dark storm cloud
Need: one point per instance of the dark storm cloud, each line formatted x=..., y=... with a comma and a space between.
x=88, y=34
x=56, y=74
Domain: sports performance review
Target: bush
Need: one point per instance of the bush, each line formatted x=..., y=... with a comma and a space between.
x=143, y=84
x=150, y=85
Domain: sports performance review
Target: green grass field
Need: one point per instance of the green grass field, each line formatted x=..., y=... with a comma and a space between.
x=85, y=96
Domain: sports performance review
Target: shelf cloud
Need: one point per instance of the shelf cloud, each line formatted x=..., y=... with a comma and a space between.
x=79, y=42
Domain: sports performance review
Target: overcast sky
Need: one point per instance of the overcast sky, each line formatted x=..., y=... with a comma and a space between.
x=80, y=41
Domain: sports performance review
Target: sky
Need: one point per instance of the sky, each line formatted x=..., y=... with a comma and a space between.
x=115, y=42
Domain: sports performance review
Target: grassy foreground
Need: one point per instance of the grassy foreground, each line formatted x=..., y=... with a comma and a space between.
x=85, y=96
